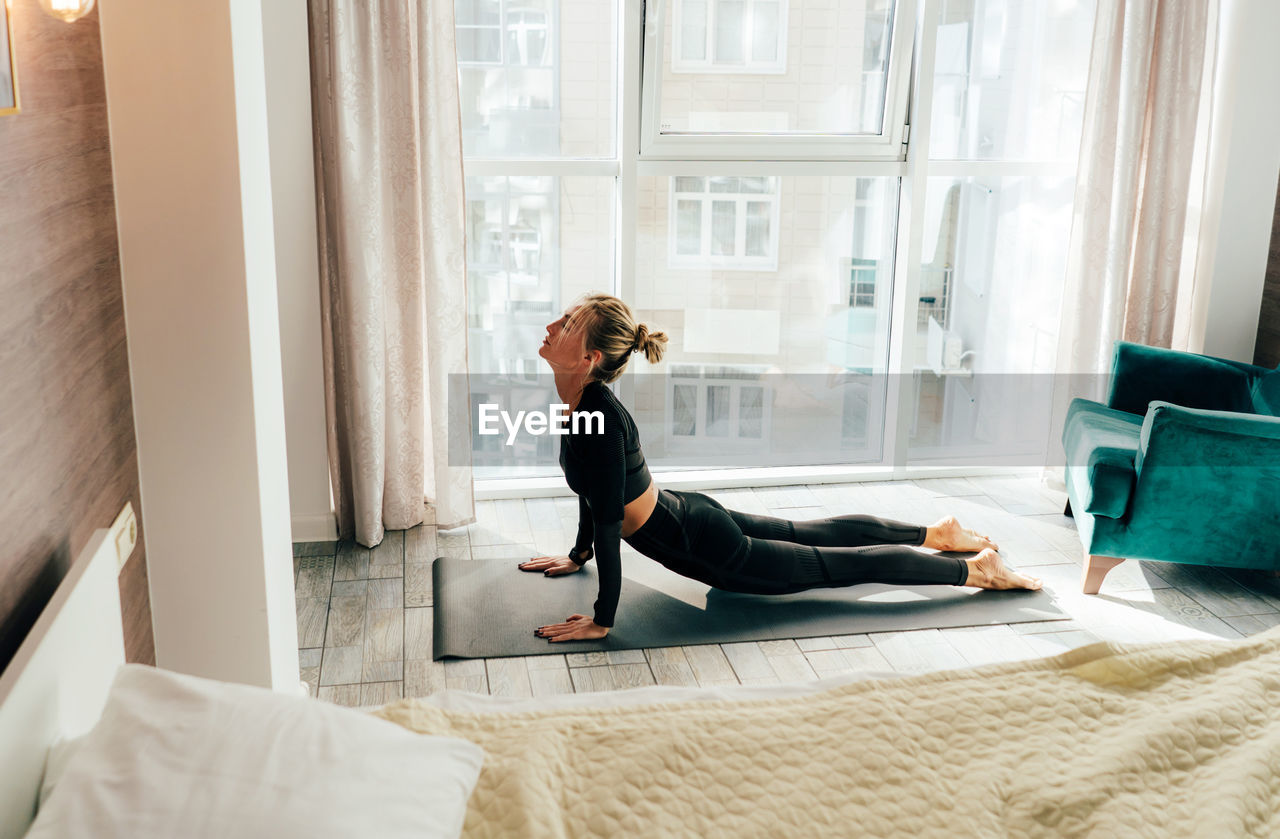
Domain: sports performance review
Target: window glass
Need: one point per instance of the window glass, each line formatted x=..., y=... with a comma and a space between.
x=993, y=267
x=775, y=66
x=685, y=422
x=688, y=228
x=531, y=86
x=1009, y=79
x=723, y=228
x=750, y=412
x=717, y=410
x=759, y=214
x=760, y=359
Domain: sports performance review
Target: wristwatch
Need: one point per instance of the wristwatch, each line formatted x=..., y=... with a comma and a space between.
x=581, y=557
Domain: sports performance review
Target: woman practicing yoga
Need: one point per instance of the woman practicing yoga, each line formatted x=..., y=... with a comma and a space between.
x=693, y=534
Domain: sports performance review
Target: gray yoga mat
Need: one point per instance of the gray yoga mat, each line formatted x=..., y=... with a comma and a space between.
x=487, y=608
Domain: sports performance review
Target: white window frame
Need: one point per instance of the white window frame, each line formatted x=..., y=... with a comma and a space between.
x=889, y=144
x=710, y=63
x=738, y=261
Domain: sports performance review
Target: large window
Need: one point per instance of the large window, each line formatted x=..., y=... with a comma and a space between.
x=742, y=180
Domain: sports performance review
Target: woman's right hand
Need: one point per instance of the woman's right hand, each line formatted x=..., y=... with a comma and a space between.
x=552, y=566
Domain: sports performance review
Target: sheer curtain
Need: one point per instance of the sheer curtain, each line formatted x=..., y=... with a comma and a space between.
x=1151, y=63
x=393, y=273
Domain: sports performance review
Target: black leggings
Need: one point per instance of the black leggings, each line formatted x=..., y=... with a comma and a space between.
x=694, y=535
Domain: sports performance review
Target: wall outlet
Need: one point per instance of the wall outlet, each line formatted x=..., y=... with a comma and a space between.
x=124, y=535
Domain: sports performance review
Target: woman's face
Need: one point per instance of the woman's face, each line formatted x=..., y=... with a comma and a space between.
x=564, y=348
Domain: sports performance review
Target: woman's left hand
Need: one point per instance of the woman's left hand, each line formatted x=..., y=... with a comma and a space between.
x=576, y=628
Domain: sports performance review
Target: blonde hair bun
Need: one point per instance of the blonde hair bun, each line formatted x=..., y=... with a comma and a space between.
x=612, y=329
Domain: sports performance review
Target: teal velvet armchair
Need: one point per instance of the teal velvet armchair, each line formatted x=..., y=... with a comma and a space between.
x=1181, y=465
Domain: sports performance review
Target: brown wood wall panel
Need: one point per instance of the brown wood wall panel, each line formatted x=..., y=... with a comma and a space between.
x=1267, y=349
x=68, y=459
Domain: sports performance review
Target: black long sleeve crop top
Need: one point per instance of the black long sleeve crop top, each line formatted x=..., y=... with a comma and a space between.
x=607, y=470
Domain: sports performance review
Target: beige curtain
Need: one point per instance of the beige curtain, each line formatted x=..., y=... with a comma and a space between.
x=1141, y=112
x=1147, y=72
x=393, y=279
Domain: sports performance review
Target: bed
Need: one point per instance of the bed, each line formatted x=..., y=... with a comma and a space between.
x=1176, y=739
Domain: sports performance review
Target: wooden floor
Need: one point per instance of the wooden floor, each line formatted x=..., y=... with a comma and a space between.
x=365, y=616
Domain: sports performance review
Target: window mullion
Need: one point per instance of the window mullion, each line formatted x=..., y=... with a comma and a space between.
x=713, y=7
x=900, y=401
x=626, y=153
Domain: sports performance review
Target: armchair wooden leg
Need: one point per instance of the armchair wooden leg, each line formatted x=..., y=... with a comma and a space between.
x=1096, y=567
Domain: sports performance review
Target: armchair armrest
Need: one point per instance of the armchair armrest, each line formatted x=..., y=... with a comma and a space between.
x=1141, y=375
x=1193, y=437
x=1214, y=474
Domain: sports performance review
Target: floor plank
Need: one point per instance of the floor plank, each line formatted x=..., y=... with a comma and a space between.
x=670, y=666
x=380, y=693
x=748, y=661
x=348, y=695
x=352, y=562
x=423, y=677
x=792, y=667
x=309, y=668
x=420, y=544
x=315, y=576
x=591, y=679
x=417, y=584
x=550, y=682
x=709, y=665
x=341, y=665
x=918, y=651
x=632, y=675
x=346, y=619
x=387, y=559
x=508, y=676
x=313, y=616
x=989, y=644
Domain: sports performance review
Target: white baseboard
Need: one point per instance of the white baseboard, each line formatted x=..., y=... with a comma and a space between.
x=315, y=528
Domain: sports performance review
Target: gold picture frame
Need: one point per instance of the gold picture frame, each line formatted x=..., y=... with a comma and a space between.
x=9, y=102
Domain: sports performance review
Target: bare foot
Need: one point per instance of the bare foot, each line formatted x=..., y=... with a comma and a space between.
x=987, y=570
x=948, y=535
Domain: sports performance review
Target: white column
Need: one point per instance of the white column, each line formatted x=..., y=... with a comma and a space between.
x=288, y=72
x=186, y=96
x=1244, y=163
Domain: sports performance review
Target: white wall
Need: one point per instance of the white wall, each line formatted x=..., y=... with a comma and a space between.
x=1244, y=165
x=288, y=75
x=187, y=105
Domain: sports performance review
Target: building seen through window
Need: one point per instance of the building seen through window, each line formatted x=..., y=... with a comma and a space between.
x=776, y=284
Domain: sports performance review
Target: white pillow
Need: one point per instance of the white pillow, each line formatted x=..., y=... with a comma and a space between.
x=179, y=756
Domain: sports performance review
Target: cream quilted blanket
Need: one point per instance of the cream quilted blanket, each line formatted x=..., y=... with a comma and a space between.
x=1178, y=739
